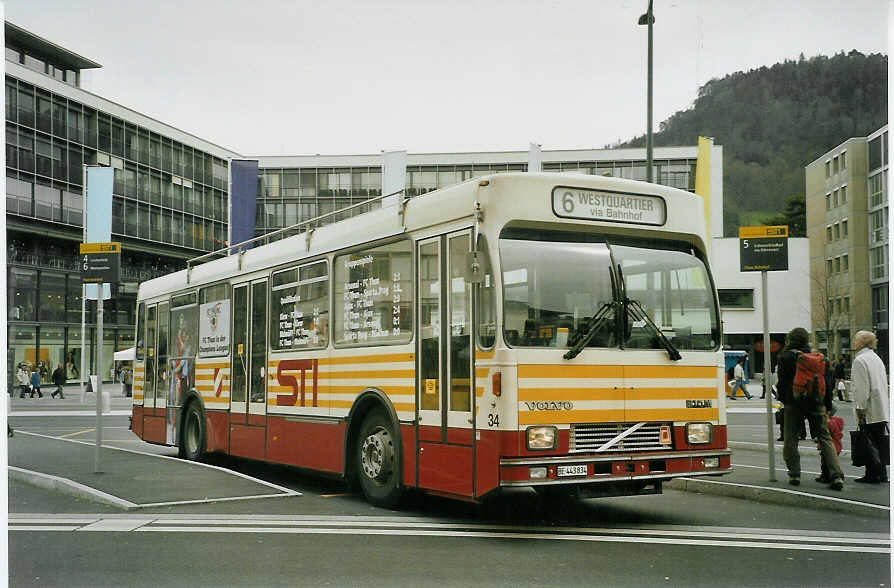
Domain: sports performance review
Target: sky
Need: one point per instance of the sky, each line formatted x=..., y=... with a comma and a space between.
x=276, y=77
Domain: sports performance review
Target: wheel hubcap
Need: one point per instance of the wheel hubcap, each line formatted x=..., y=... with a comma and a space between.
x=376, y=455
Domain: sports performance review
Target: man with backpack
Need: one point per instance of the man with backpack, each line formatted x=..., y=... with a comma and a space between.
x=803, y=378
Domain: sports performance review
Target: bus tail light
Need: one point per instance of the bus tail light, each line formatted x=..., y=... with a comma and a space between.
x=496, y=381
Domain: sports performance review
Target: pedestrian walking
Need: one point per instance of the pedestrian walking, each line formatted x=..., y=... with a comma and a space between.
x=870, y=386
x=797, y=407
x=128, y=382
x=22, y=377
x=839, y=379
x=739, y=374
x=59, y=379
x=35, y=384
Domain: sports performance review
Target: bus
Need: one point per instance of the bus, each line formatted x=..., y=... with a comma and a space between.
x=553, y=331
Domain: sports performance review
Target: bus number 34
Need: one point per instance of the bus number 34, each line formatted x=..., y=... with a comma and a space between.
x=493, y=420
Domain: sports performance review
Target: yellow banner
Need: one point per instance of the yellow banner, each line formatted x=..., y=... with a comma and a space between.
x=758, y=232
x=100, y=248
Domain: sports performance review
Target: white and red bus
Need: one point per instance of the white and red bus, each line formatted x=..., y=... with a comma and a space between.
x=543, y=330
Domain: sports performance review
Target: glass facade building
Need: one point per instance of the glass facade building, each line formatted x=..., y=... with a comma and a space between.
x=169, y=203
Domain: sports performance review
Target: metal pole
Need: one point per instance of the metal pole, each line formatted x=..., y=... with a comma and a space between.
x=768, y=374
x=649, y=106
x=83, y=291
x=98, y=390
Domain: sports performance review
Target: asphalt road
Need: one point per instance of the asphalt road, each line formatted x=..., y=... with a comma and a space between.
x=327, y=536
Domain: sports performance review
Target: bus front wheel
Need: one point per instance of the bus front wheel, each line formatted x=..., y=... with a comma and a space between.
x=193, y=443
x=378, y=461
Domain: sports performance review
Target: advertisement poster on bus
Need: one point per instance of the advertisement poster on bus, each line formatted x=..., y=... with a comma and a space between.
x=214, y=329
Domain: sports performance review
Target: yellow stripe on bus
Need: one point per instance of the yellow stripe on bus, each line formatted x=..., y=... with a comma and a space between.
x=531, y=394
x=398, y=406
x=669, y=371
x=546, y=417
x=569, y=371
x=484, y=354
x=671, y=393
x=671, y=414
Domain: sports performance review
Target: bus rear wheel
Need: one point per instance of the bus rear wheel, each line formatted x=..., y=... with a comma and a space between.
x=378, y=461
x=192, y=446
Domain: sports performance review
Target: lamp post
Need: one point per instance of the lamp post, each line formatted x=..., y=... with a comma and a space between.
x=649, y=19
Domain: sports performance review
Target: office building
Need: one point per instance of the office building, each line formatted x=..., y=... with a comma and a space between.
x=847, y=225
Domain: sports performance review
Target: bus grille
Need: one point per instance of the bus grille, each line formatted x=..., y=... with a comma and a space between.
x=591, y=436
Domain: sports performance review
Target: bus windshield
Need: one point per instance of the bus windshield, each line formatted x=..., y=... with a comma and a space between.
x=556, y=284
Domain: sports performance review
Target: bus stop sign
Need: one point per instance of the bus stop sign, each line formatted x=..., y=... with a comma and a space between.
x=100, y=263
x=763, y=249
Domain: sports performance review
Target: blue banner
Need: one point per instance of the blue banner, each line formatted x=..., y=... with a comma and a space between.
x=99, y=216
x=243, y=196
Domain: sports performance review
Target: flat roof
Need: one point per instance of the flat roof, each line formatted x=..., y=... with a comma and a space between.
x=58, y=55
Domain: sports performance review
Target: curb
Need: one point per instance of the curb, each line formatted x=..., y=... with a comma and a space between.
x=781, y=496
x=67, y=486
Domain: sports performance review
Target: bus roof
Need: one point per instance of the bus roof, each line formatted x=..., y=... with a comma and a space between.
x=684, y=214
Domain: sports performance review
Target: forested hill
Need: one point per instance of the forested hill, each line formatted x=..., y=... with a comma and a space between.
x=775, y=120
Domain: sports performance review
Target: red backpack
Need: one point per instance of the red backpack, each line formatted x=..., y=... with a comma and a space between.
x=810, y=377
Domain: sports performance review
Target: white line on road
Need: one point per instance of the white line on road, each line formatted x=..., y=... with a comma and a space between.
x=791, y=539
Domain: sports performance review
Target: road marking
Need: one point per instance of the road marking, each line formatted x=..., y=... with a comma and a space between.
x=339, y=495
x=78, y=433
x=785, y=539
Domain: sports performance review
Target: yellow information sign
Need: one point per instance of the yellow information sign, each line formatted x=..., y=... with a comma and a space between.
x=100, y=248
x=766, y=231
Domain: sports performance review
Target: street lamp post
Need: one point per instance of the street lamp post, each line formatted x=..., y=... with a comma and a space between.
x=649, y=19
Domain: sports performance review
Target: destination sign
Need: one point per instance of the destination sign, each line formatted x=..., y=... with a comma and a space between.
x=763, y=248
x=604, y=205
x=100, y=263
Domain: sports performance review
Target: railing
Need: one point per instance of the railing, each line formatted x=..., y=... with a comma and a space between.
x=295, y=229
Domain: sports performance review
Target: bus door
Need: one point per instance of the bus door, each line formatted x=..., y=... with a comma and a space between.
x=443, y=383
x=248, y=395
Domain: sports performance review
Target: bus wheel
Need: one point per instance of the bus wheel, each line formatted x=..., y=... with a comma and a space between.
x=193, y=442
x=378, y=462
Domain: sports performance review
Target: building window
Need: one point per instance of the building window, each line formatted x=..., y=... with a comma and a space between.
x=836, y=231
x=846, y=302
x=878, y=262
x=835, y=199
x=732, y=299
x=878, y=225
x=877, y=190
x=834, y=165
x=875, y=153
x=880, y=305
x=828, y=168
x=843, y=160
x=837, y=264
x=843, y=196
x=844, y=262
x=829, y=234
x=828, y=201
x=829, y=267
x=844, y=229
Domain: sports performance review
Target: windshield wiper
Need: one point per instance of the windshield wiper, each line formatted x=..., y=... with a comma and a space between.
x=596, y=321
x=635, y=308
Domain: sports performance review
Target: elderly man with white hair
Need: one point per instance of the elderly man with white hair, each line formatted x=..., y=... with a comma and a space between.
x=869, y=383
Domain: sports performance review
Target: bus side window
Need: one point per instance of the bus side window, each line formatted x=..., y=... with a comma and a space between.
x=141, y=332
x=487, y=304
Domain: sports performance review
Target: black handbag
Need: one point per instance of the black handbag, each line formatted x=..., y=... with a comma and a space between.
x=861, y=448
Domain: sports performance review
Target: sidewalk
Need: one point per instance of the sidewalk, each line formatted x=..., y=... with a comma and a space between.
x=753, y=481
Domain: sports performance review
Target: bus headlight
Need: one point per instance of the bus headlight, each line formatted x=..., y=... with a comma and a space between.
x=699, y=433
x=539, y=438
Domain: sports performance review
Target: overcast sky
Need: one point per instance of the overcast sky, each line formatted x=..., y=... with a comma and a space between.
x=270, y=77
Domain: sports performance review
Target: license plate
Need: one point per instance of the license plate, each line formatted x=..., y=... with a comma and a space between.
x=571, y=470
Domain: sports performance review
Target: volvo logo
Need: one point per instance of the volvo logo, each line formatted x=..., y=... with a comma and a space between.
x=552, y=405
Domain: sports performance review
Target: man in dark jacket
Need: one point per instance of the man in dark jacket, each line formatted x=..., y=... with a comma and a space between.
x=59, y=379
x=796, y=411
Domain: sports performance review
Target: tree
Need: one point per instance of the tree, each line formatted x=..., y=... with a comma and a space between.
x=794, y=215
